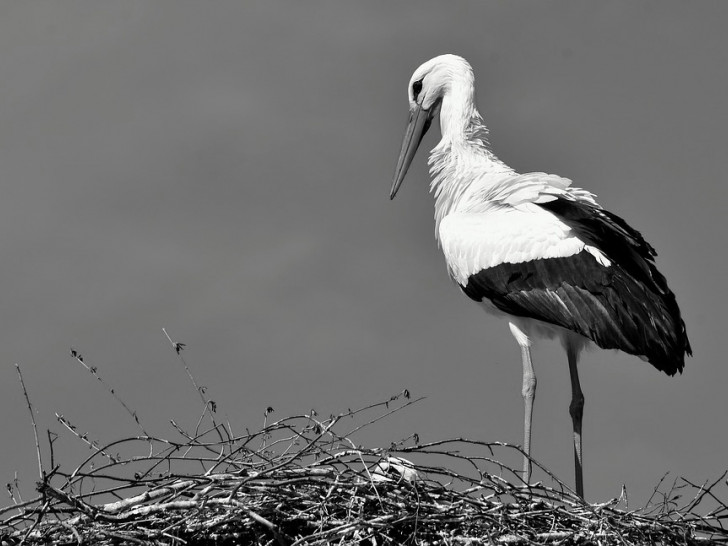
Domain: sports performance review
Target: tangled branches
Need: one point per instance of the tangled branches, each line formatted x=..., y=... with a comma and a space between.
x=303, y=480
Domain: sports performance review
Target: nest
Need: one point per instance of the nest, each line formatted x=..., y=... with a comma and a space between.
x=303, y=480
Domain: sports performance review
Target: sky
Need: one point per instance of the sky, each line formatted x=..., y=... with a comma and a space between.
x=222, y=170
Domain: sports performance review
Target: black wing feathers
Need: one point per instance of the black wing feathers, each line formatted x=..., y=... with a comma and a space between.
x=613, y=236
x=626, y=306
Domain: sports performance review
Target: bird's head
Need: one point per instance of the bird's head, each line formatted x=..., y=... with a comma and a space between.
x=429, y=84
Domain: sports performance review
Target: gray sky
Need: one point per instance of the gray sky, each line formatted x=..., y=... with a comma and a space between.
x=222, y=170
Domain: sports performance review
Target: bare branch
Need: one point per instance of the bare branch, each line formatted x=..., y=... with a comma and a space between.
x=32, y=419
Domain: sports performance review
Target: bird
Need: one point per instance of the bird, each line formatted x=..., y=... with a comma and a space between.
x=536, y=250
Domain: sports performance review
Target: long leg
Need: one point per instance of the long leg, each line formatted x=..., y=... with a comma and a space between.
x=529, y=394
x=576, y=409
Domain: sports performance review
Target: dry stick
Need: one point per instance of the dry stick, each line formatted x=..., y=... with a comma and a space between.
x=209, y=406
x=17, y=507
x=37, y=521
x=94, y=371
x=52, y=436
x=123, y=537
x=702, y=492
x=178, y=348
x=656, y=490
x=84, y=438
x=32, y=418
x=384, y=415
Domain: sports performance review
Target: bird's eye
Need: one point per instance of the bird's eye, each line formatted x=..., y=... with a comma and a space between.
x=416, y=88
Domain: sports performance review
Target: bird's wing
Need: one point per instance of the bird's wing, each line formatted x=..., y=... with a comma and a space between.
x=610, y=234
x=578, y=210
x=531, y=188
x=474, y=241
x=530, y=262
x=505, y=222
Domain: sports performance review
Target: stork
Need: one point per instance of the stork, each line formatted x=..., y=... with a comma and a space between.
x=535, y=249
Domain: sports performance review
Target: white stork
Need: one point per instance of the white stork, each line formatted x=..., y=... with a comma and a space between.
x=535, y=249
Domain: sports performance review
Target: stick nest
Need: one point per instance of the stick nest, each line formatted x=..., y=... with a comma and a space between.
x=303, y=480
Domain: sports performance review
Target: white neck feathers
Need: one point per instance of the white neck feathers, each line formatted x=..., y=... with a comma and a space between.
x=462, y=159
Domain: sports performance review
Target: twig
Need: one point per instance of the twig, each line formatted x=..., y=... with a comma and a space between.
x=32, y=419
x=178, y=348
x=78, y=357
x=84, y=438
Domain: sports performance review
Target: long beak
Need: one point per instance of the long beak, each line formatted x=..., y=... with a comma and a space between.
x=419, y=122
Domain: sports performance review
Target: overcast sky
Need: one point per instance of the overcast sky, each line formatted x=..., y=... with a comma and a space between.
x=222, y=169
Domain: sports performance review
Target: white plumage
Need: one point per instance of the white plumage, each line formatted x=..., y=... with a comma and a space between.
x=535, y=248
x=472, y=242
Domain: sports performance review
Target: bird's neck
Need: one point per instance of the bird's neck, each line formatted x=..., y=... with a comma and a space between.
x=462, y=161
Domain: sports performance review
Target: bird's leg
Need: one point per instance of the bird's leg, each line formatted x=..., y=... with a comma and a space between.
x=529, y=394
x=576, y=409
